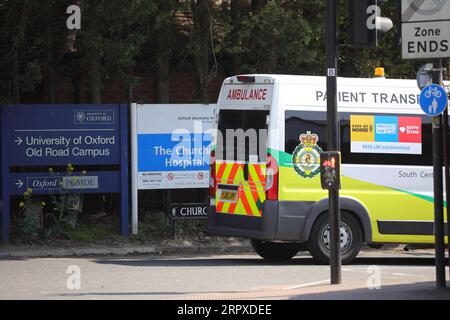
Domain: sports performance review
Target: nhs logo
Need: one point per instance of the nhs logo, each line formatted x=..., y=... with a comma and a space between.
x=94, y=117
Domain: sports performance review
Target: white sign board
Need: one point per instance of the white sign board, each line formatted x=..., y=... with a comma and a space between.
x=173, y=146
x=425, y=29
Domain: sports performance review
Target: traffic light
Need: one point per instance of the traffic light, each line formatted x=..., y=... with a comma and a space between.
x=366, y=22
x=330, y=170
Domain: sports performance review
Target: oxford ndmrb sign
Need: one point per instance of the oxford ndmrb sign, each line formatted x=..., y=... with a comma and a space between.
x=77, y=182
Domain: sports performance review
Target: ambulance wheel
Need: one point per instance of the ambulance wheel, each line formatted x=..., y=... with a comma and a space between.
x=274, y=251
x=319, y=238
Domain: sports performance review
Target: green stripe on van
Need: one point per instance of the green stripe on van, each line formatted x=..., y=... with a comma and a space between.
x=283, y=159
x=420, y=196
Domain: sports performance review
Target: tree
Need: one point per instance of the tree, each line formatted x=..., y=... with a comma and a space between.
x=164, y=25
x=201, y=42
x=110, y=39
x=20, y=49
x=279, y=38
x=358, y=62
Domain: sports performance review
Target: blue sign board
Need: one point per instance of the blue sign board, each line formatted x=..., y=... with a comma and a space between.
x=77, y=182
x=62, y=134
x=89, y=137
x=433, y=100
x=169, y=152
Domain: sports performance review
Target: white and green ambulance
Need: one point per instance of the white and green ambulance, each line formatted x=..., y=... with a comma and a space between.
x=265, y=181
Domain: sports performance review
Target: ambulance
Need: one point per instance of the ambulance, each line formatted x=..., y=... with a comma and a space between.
x=265, y=169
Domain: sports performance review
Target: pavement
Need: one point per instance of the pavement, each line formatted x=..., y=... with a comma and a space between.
x=161, y=247
x=226, y=246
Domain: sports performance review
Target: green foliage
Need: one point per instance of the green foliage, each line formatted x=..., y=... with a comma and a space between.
x=25, y=230
x=358, y=62
x=123, y=39
x=280, y=39
x=154, y=225
x=158, y=225
x=89, y=230
x=112, y=33
x=59, y=219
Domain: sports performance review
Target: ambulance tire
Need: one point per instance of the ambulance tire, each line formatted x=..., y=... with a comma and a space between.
x=351, y=238
x=275, y=251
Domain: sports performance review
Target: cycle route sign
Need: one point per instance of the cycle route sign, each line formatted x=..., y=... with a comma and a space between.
x=433, y=100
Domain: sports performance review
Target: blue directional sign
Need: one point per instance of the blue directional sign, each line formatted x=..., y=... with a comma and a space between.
x=433, y=100
x=62, y=134
x=35, y=138
x=77, y=182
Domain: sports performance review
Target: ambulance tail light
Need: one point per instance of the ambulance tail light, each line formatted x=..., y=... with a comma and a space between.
x=212, y=174
x=271, y=178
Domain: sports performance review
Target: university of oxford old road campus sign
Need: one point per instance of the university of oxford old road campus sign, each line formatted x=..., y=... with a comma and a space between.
x=39, y=141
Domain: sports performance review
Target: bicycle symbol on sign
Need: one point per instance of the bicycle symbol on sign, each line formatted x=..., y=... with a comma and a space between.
x=433, y=92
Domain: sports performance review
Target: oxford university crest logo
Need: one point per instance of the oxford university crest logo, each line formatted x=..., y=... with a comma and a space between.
x=306, y=156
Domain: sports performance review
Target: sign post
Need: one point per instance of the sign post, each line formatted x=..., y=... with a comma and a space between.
x=433, y=101
x=447, y=174
x=333, y=194
x=426, y=34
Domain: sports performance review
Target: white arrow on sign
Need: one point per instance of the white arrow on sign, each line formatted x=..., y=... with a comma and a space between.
x=19, y=184
x=18, y=141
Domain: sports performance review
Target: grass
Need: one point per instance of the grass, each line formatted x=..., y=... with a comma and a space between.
x=104, y=229
x=92, y=232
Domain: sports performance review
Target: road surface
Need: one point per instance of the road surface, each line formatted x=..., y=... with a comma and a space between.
x=374, y=275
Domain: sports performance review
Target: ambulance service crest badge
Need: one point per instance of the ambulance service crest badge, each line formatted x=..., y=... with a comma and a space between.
x=306, y=156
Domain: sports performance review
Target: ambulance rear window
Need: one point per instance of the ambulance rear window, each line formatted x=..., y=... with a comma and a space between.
x=246, y=137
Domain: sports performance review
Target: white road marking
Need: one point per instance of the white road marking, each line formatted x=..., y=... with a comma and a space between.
x=390, y=268
x=309, y=284
x=403, y=274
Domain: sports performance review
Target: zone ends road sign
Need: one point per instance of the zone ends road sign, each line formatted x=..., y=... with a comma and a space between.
x=425, y=29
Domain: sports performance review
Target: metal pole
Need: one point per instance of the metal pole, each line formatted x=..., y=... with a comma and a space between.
x=446, y=174
x=134, y=186
x=438, y=190
x=333, y=195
